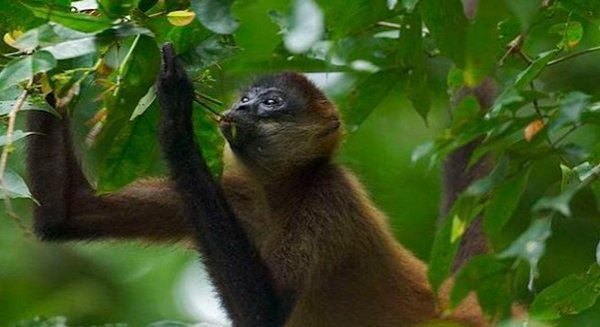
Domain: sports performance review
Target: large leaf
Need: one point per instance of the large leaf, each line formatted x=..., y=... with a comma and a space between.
x=306, y=26
x=14, y=186
x=448, y=237
x=215, y=15
x=117, y=8
x=448, y=25
x=417, y=87
x=366, y=95
x=25, y=68
x=136, y=74
x=132, y=154
x=64, y=16
x=490, y=278
x=530, y=246
x=482, y=42
x=532, y=71
x=504, y=202
x=568, y=296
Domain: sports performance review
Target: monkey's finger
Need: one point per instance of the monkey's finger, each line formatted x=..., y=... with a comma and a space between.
x=168, y=58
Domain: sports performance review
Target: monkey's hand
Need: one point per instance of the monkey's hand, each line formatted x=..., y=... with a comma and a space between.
x=175, y=92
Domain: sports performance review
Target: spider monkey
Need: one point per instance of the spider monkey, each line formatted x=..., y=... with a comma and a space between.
x=289, y=237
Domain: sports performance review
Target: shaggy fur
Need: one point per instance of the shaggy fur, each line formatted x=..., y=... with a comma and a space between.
x=288, y=235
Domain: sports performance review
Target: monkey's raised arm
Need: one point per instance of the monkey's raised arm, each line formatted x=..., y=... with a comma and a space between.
x=69, y=208
x=233, y=262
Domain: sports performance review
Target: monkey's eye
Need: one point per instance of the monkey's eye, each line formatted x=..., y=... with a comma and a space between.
x=272, y=102
x=245, y=99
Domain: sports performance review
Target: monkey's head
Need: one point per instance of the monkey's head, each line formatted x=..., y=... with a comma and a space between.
x=282, y=120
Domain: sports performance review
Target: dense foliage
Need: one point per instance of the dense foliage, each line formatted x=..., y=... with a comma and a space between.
x=540, y=202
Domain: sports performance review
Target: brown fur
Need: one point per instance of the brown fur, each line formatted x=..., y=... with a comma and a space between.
x=320, y=235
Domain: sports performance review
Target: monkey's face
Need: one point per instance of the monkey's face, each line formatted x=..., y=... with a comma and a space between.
x=281, y=119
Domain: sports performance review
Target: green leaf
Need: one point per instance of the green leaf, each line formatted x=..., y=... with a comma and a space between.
x=15, y=186
x=215, y=15
x=466, y=111
x=168, y=323
x=490, y=278
x=137, y=74
x=7, y=105
x=530, y=246
x=503, y=202
x=571, y=33
x=306, y=26
x=64, y=16
x=448, y=25
x=527, y=76
x=483, y=48
x=598, y=253
x=568, y=296
x=117, y=8
x=17, y=135
x=447, y=239
x=44, y=322
x=524, y=10
x=366, y=95
x=485, y=184
x=409, y=5
x=132, y=154
x=411, y=48
x=559, y=203
x=72, y=48
x=25, y=68
x=144, y=103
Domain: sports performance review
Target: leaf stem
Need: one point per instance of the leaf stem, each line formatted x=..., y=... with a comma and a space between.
x=12, y=116
x=573, y=55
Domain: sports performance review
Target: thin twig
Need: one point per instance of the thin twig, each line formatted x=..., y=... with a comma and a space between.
x=573, y=55
x=209, y=109
x=388, y=24
x=12, y=116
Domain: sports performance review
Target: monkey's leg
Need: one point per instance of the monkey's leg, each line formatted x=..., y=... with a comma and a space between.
x=69, y=208
x=233, y=262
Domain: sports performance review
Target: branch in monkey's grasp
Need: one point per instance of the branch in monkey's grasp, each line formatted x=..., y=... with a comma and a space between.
x=243, y=281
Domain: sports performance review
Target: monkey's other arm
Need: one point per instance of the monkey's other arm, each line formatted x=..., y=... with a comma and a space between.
x=68, y=207
x=233, y=262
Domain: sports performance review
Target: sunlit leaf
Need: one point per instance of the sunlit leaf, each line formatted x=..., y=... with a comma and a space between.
x=568, y=296
x=215, y=15
x=306, y=26
x=25, y=68
x=181, y=17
